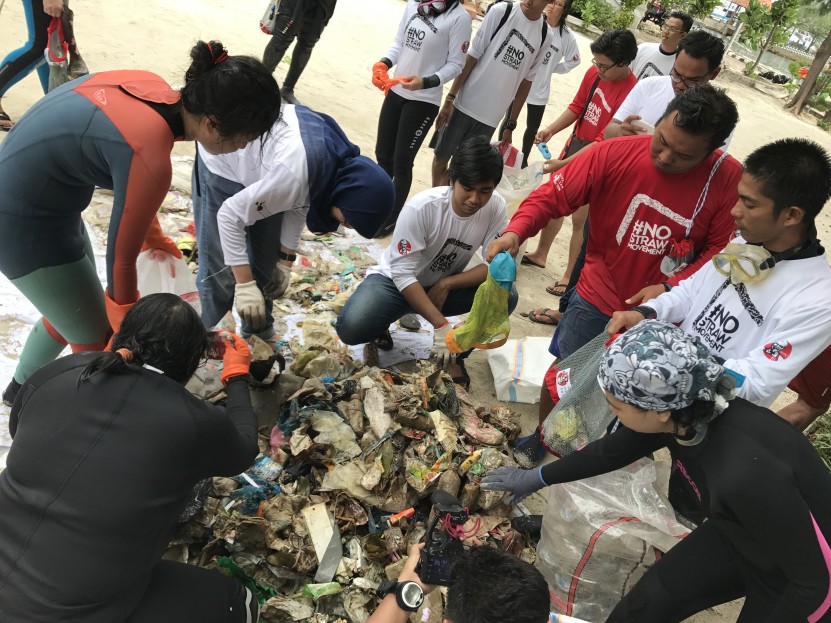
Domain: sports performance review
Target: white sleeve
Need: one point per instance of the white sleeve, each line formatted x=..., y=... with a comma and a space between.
x=571, y=54
x=806, y=332
x=460, y=31
x=403, y=267
x=631, y=105
x=499, y=221
x=532, y=71
x=293, y=223
x=395, y=48
x=487, y=29
x=278, y=192
x=674, y=306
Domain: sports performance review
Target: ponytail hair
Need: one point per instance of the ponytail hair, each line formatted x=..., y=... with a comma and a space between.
x=238, y=93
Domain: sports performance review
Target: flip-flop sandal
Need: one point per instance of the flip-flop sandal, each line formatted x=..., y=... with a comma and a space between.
x=558, y=289
x=410, y=322
x=384, y=341
x=527, y=261
x=5, y=117
x=535, y=317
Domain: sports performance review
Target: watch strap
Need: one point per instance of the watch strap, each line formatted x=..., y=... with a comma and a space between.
x=289, y=257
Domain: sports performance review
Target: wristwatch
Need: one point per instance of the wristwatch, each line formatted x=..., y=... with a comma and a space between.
x=409, y=595
x=510, y=124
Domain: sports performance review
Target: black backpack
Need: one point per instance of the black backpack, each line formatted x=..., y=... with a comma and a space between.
x=508, y=14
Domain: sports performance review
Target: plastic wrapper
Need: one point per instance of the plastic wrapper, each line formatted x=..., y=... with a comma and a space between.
x=599, y=537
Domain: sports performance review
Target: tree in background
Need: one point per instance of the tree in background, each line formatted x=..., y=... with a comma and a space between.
x=765, y=27
x=806, y=89
x=698, y=9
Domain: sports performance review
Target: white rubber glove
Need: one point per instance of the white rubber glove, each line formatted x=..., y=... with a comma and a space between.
x=441, y=354
x=250, y=304
x=279, y=282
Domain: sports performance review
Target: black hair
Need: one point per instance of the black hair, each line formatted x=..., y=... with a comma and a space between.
x=490, y=586
x=688, y=21
x=476, y=161
x=566, y=12
x=699, y=44
x=619, y=45
x=793, y=172
x=705, y=110
x=162, y=331
x=238, y=93
x=698, y=411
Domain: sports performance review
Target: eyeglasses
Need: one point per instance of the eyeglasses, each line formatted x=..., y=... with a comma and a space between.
x=602, y=69
x=688, y=82
x=671, y=29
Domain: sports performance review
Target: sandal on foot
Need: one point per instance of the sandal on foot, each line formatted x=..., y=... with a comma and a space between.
x=558, y=289
x=383, y=341
x=527, y=261
x=538, y=316
x=5, y=117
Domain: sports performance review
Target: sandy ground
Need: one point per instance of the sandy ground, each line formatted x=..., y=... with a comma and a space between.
x=157, y=36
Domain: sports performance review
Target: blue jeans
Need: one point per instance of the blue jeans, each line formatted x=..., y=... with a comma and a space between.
x=580, y=324
x=214, y=280
x=377, y=303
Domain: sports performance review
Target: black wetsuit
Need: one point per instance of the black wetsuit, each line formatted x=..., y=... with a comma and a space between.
x=97, y=475
x=767, y=496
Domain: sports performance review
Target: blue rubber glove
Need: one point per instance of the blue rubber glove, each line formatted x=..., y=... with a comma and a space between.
x=519, y=483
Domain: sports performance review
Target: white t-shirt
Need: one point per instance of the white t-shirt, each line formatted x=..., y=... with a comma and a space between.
x=561, y=56
x=766, y=331
x=649, y=99
x=431, y=241
x=504, y=61
x=276, y=179
x=425, y=46
x=652, y=61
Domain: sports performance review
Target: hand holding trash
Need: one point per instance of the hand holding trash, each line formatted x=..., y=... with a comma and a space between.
x=250, y=303
x=156, y=239
x=237, y=356
x=279, y=282
x=508, y=241
x=380, y=75
x=441, y=353
x=519, y=483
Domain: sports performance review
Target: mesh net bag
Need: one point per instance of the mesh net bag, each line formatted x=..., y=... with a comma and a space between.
x=487, y=325
x=581, y=413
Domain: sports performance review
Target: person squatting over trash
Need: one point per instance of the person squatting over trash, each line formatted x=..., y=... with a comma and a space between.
x=662, y=207
x=760, y=482
x=423, y=270
x=250, y=207
x=486, y=586
x=107, y=449
x=428, y=51
x=763, y=304
x=114, y=130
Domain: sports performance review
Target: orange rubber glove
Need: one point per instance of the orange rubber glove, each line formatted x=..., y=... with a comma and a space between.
x=117, y=311
x=380, y=75
x=155, y=239
x=392, y=82
x=237, y=357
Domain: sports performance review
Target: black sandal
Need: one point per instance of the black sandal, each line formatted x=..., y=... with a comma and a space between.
x=5, y=117
x=384, y=341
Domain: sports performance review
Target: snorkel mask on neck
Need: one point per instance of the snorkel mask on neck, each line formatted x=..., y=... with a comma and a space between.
x=744, y=263
x=432, y=8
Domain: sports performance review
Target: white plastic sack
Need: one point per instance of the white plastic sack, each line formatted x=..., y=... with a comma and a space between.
x=159, y=271
x=599, y=537
x=516, y=184
x=268, y=22
x=519, y=367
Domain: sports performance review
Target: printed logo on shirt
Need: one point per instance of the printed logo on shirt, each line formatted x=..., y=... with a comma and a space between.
x=776, y=350
x=513, y=55
x=101, y=96
x=414, y=39
x=650, y=238
x=717, y=327
x=448, y=254
x=683, y=471
x=260, y=205
x=646, y=236
x=465, y=46
x=563, y=382
x=650, y=69
x=593, y=111
x=404, y=247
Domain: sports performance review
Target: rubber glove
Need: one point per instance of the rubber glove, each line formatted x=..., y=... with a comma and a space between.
x=117, y=311
x=519, y=483
x=380, y=75
x=250, y=304
x=441, y=353
x=237, y=357
x=155, y=239
x=279, y=282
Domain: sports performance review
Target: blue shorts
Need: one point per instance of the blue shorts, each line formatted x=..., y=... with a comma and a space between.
x=580, y=324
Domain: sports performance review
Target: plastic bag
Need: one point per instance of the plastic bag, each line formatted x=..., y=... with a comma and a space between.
x=518, y=369
x=517, y=183
x=161, y=272
x=268, y=22
x=487, y=326
x=511, y=156
x=581, y=412
x=56, y=54
x=599, y=537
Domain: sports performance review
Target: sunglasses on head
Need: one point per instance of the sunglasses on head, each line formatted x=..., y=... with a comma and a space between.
x=431, y=8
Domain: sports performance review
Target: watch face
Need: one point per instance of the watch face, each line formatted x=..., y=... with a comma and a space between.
x=411, y=594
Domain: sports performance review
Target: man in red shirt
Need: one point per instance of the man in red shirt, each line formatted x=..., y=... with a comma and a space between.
x=661, y=208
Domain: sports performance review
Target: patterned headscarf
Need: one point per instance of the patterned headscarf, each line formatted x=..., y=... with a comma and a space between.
x=657, y=366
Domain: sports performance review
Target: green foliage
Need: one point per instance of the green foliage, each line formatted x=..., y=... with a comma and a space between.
x=630, y=5
x=757, y=22
x=623, y=19
x=794, y=67
x=598, y=13
x=766, y=27
x=814, y=17
x=696, y=8
x=825, y=451
x=821, y=434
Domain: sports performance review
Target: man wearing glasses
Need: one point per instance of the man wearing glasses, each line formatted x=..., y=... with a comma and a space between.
x=656, y=59
x=698, y=61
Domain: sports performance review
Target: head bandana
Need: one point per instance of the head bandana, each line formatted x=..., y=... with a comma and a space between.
x=657, y=366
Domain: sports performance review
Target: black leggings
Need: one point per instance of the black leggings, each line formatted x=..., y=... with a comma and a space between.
x=179, y=592
x=533, y=119
x=402, y=127
x=21, y=61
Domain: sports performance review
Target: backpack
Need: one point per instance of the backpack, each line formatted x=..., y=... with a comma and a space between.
x=508, y=14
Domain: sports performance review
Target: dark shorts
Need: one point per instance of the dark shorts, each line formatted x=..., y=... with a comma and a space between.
x=813, y=384
x=460, y=127
x=581, y=323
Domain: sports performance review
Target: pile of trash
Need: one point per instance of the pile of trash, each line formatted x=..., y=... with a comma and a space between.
x=350, y=455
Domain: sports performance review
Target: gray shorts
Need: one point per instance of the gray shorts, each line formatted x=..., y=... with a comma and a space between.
x=460, y=127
